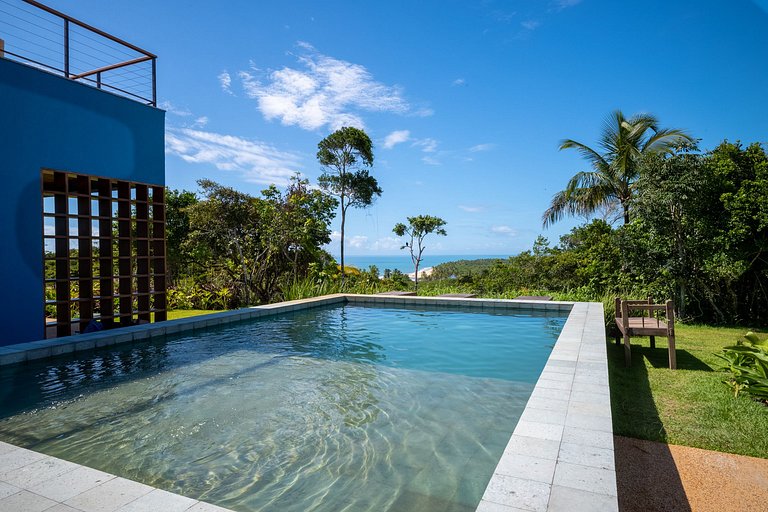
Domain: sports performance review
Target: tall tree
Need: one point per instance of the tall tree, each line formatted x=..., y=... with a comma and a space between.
x=177, y=230
x=226, y=227
x=417, y=229
x=615, y=166
x=253, y=244
x=346, y=155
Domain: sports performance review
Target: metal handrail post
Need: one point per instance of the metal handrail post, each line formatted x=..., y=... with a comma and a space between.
x=66, y=47
x=154, y=81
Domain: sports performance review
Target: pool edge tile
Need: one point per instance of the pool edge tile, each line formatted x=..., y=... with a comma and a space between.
x=570, y=413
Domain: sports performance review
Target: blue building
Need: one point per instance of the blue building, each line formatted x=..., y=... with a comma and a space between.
x=83, y=174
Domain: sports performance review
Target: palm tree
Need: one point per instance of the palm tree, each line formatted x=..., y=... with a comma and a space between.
x=612, y=181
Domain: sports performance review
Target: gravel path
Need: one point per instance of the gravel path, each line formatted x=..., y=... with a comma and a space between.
x=659, y=477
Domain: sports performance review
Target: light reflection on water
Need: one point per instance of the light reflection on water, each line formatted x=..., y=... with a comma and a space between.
x=334, y=409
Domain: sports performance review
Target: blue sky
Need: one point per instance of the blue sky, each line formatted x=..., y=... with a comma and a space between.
x=465, y=101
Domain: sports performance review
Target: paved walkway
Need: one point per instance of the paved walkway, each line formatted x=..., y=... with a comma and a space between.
x=33, y=482
x=659, y=477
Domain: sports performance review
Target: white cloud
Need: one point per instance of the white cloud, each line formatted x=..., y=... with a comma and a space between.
x=395, y=138
x=335, y=236
x=471, y=209
x=321, y=92
x=387, y=243
x=173, y=109
x=503, y=230
x=357, y=241
x=482, y=147
x=225, y=80
x=530, y=24
x=427, y=145
x=564, y=4
x=200, y=122
x=430, y=160
x=256, y=161
x=459, y=82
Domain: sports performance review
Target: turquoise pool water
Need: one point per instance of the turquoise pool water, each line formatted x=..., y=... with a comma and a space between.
x=340, y=408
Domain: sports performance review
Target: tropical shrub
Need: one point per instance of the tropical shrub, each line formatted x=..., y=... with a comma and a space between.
x=747, y=363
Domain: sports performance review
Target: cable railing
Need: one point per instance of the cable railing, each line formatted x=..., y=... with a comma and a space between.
x=36, y=35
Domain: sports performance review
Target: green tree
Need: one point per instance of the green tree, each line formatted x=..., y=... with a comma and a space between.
x=301, y=223
x=615, y=168
x=700, y=233
x=256, y=245
x=177, y=230
x=226, y=229
x=417, y=229
x=742, y=175
x=346, y=155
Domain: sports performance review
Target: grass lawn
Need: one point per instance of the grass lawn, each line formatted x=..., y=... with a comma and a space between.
x=185, y=313
x=689, y=406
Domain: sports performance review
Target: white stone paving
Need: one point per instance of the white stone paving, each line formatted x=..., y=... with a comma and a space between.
x=560, y=457
x=40, y=483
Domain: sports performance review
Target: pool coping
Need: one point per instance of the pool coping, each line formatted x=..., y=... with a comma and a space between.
x=560, y=455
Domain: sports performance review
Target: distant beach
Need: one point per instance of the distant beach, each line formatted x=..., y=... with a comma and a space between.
x=404, y=264
x=423, y=272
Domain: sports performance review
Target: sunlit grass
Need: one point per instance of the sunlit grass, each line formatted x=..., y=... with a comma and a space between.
x=186, y=313
x=689, y=406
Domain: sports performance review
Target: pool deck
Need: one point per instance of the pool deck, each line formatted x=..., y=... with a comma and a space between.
x=31, y=481
x=559, y=458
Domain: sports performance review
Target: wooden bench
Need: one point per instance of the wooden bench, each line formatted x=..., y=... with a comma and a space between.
x=459, y=295
x=647, y=324
x=398, y=294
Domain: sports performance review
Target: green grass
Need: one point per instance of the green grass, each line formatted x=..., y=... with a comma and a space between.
x=186, y=313
x=689, y=406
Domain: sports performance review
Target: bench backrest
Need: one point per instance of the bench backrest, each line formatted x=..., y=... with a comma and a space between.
x=647, y=309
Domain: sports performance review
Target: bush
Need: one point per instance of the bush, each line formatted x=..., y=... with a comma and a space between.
x=747, y=363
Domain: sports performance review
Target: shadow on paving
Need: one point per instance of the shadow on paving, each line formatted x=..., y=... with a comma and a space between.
x=647, y=478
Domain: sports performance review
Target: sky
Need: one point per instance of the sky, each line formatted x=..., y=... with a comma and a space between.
x=466, y=102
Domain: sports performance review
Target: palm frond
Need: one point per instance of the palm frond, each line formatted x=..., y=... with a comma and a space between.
x=665, y=140
x=624, y=142
x=585, y=151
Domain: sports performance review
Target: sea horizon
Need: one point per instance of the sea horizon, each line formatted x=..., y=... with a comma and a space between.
x=403, y=263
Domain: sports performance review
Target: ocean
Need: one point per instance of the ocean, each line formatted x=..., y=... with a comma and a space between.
x=403, y=262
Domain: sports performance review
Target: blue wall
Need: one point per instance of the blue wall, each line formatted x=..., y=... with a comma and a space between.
x=47, y=121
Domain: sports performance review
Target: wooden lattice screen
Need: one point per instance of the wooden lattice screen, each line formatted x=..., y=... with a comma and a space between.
x=104, y=252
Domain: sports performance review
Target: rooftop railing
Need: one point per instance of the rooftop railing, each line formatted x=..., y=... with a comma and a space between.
x=36, y=35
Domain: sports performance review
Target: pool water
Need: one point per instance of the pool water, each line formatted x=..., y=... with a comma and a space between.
x=332, y=409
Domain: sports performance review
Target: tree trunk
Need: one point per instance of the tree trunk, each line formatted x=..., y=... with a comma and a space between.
x=416, y=275
x=625, y=206
x=343, y=219
x=683, y=298
x=245, y=272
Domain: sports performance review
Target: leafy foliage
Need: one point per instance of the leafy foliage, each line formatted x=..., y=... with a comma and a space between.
x=615, y=168
x=242, y=249
x=177, y=230
x=453, y=269
x=417, y=229
x=346, y=155
x=747, y=363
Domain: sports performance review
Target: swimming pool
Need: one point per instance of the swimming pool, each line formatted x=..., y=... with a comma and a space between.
x=336, y=408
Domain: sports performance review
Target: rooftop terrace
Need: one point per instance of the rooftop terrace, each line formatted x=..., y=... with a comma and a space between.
x=38, y=36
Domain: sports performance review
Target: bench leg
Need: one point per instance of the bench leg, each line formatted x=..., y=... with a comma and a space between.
x=653, y=341
x=618, y=339
x=672, y=355
x=627, y=351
